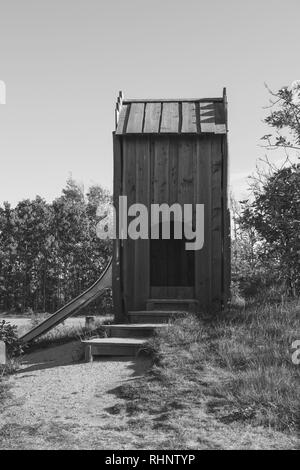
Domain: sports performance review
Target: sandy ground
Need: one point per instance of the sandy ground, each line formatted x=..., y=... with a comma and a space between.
x=57, y=402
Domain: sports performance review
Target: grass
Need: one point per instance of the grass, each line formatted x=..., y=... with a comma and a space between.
x=238, y=368
x=4, y=388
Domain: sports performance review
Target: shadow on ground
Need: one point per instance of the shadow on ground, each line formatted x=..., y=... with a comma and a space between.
x=72, y=353
x=55, y=356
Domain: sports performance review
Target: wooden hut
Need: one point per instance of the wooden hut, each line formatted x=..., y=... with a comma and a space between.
x=172, y=151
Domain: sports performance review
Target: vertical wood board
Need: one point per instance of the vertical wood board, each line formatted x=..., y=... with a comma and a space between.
x=116, y=267
x=217, y=217
x=141, y=266
x=203, y=257
x=129, y=189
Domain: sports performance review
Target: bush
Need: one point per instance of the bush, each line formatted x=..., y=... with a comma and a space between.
x=9, y=334
x=273, y=215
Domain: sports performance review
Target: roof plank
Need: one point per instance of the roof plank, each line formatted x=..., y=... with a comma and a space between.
x=152, y=117
x=220, y=129
x=135, y=119
x=219, y=113
x=189, y=120
x=207, y=117
x=170, y=118
x=122, y=119
x=220, y=118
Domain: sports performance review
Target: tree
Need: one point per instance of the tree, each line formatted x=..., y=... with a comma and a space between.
x=274, y=211
x=275, y=215
x=82, y=254
x=25, y=242
x=49, y=253
x=284, y=117
x=8, y=256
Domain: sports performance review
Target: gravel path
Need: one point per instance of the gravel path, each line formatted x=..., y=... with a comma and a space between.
x=58, y=402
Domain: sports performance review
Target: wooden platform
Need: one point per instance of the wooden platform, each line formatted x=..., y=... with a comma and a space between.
x=127, y=339
x=112, y=347
x=189, y=305
x=153, y=316
x=122, y=340
x=133, y=330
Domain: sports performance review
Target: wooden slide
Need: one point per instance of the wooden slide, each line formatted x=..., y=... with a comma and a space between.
x=92, y=293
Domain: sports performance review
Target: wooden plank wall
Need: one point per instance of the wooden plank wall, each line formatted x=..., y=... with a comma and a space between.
x=141, y=247
x=129, y=189
x=217, y=222
x=203, y=196
x=209, y=260
x=136, y=185
x=183, y=169
x=186, y=183
x=226, y=228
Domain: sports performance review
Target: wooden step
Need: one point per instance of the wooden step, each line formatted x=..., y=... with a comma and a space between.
x=188, y=305
x=152, y=316
x=133, y=330
x=112, y=347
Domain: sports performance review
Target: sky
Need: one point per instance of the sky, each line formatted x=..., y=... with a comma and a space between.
x=64, y=62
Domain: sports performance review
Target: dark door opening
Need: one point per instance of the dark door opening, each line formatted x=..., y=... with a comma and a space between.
x=170, y=263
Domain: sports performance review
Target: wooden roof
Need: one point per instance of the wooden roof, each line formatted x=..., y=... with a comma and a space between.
x=171, y=116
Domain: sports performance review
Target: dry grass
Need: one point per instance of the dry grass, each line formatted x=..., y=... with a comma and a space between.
x=3, y=387
x=238, y=368
x=255, y=349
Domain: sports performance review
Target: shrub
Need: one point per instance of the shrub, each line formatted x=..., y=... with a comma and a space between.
x=9, y=334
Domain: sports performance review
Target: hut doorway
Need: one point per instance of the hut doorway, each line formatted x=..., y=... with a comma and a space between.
x=172, y=267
